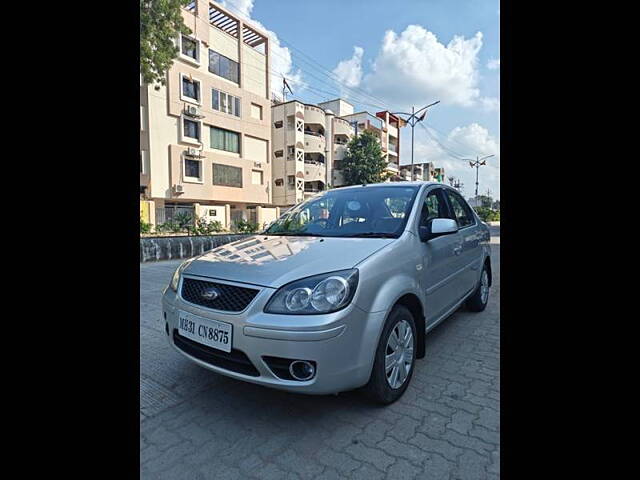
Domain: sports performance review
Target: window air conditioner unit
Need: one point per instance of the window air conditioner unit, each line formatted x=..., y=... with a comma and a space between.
x=193, y=111
x=178, y=189
x=193, y=152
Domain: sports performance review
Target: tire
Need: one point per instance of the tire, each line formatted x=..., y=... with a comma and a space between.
x=379, y=388
x=477, y=302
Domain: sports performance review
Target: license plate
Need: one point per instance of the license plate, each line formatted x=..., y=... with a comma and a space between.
x=207, y=332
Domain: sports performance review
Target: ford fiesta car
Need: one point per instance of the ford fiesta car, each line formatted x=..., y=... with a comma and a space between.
x=336, y=294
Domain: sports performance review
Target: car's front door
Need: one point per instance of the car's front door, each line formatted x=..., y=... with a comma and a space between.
x=439, y=277
x=470, y=231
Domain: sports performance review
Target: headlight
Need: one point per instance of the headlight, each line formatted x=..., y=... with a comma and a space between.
x=324, y=293
x=176, y=275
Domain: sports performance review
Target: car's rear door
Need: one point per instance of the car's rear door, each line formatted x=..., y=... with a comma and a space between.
x=439, y=270
x=469, y=259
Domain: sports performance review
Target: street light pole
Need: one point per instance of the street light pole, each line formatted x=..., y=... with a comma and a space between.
x=413, y=109
x=412, y=119
x=478, y=162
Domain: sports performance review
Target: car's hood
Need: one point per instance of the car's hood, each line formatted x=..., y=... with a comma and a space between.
x=273, y=261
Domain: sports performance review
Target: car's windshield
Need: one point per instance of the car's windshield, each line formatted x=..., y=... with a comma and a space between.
x=350, y=212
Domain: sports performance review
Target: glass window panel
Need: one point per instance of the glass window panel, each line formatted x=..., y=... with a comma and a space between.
x=227, y=176
x=189, y=47
x=191, y=129
x=232, y=142
x=217, y=138
x=192, y=168
x=237, y=110
x=215, y=99
x=214, y=62
x=223, y=102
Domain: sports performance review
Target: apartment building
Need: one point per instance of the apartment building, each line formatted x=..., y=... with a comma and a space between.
x=308, y=143
x=205, y=136
x=424, y=171
x=386, y=127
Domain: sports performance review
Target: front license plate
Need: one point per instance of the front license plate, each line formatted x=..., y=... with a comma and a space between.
x=207, y=332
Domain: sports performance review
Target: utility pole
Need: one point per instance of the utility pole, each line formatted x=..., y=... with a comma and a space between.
x=478, y=162
x=412, y=120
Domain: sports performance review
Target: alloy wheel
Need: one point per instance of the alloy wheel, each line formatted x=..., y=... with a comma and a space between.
x=399, y=354
x=484, y=287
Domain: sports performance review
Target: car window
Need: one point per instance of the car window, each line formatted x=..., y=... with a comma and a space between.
x=369, y=211
x=461, y=209
x=433, y=207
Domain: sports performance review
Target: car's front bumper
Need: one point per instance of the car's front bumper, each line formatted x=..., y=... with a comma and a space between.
x=342, y=344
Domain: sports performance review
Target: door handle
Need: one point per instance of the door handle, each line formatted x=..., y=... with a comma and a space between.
x=457, y=250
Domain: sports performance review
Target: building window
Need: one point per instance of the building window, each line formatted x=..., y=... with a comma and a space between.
x=224, y=67
x=291, y=182
x=279, y=182
x=192, y=169
x=225, y=140
x=223, y=102
x=256, y=177
x=278, y=124
x=278, y=153
x=256, y=111
x=213, y=213
x=191, y=129
x=190, y=90
x=190, y=48
x=143, y=161
x=227, y=176
x=143, y=119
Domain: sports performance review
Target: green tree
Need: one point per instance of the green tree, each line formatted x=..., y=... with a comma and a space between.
x=160, y=23
x=363, y=161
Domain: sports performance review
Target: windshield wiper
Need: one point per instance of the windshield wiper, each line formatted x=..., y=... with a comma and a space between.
x=296, y=234
x=371, y=235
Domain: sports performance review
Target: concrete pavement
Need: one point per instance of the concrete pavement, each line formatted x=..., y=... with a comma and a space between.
x=196, y=424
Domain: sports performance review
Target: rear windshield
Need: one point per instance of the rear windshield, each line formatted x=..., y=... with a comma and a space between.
x=351, y=212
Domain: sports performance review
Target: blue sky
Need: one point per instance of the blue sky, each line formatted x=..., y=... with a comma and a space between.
x=410, y=52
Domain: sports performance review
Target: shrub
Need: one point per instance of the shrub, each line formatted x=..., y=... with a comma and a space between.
x=244, y=226
x=144, y=226
x=202, y=227
x=487, y=215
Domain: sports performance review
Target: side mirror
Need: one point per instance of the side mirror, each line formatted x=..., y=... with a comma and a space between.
x=438, y=227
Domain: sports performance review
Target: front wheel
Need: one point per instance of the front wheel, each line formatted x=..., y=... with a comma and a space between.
x=477, y=302
x=395, y=357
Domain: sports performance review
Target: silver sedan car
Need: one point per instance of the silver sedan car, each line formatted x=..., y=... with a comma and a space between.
x=336, y=294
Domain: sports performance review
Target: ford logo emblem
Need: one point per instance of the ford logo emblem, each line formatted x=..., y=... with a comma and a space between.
x=211, y=294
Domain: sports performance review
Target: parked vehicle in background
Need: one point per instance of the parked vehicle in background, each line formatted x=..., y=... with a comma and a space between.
x=337, y=294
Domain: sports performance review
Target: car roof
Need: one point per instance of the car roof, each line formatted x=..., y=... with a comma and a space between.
x=403, y=184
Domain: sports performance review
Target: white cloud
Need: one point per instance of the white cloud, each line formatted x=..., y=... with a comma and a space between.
x=466, y=142
x=349, y=72
x=493, y=64
x=415, y=66
x=281, y=61
x=490, y=104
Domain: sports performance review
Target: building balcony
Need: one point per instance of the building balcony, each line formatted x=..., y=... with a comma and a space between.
x=393, y=167
x=314, y=142
x=314, y=115
x=314, y=172
x=342, y=127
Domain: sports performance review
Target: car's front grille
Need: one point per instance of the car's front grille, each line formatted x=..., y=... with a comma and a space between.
x=230, y=298
x=236, y=361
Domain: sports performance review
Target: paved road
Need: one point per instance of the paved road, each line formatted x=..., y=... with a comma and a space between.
x=197, y=425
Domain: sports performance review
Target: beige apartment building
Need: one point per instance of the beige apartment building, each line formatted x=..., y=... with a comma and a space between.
x=386, y=128
x=205, y=137
x=308, y=143
x=425, y=171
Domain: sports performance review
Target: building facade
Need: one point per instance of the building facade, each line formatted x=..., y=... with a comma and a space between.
x=205, y=136
x=308, y=143
x=385, y=126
